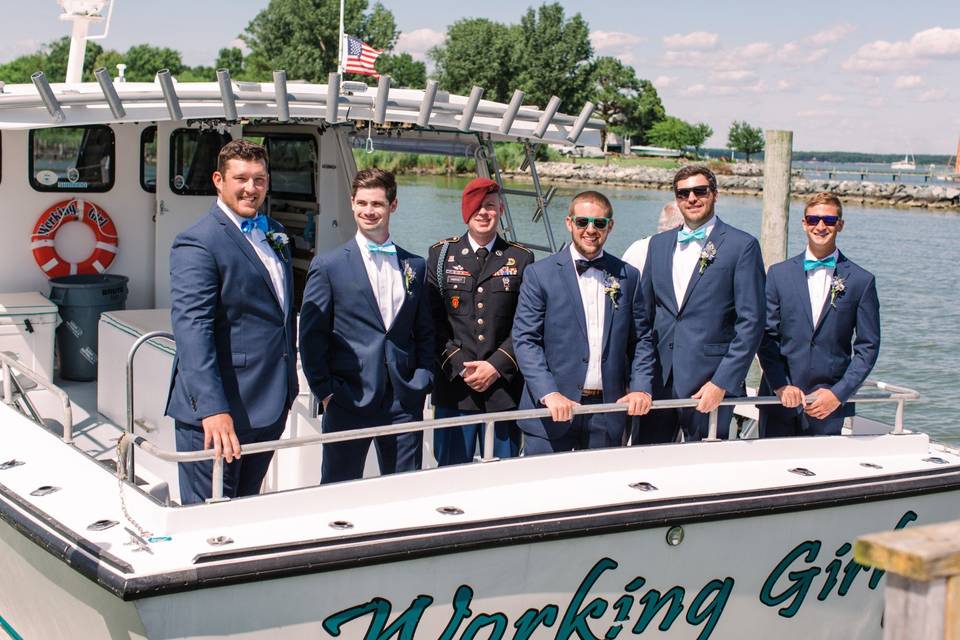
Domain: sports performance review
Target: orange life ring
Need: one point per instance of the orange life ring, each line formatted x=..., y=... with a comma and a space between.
x=50, y=222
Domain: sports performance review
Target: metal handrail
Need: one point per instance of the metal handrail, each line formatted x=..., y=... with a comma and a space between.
x=131, y=467
x=9, y=381
x=887, y=393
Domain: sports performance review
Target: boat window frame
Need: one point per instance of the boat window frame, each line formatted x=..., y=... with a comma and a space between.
x=56, y=188
x=143, y=164
x=186, y=191
x=296, y=137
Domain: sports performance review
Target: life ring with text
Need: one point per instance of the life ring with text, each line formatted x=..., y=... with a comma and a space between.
x=50, y=222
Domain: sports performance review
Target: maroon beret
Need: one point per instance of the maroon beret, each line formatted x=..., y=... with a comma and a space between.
x=473, y=195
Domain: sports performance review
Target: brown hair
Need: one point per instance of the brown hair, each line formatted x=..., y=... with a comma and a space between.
x=594, y=197
x=695, y=170
x=241, y=150
x=374, y=178
x=824, y=197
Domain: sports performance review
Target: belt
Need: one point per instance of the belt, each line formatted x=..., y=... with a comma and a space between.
x=591, y=393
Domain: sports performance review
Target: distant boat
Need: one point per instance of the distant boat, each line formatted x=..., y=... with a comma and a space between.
x=908, y=163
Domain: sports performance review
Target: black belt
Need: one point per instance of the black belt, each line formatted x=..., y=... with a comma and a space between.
x=591, y=393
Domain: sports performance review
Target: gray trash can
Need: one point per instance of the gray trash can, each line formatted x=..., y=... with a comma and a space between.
x=81, y=300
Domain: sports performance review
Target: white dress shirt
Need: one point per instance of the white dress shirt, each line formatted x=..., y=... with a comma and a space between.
x=475, y=246
x=636, y=254
x=386, y=280
x=687, y=258
x=594, y=306
x=268, y=256
x=818, y=284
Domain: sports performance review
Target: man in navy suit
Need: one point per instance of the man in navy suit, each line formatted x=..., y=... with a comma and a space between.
x=823, y=330
x=703, y=286
x=603, y=354
x=234, y=375
x=366, y=336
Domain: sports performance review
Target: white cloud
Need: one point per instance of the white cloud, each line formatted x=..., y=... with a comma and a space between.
x=721, y=90
x=734, y=59
x=662, y=82
x=816, y=113
x=784, y=85
x=419, y=41
x=735, y=76
x=831, y=34
x=829, y=97
x=882, y=55
x=614, y=40
x=908, y=82
x=695, y=41
x=932, y=95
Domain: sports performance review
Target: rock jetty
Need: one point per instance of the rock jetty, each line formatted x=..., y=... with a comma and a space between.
x=894, y=194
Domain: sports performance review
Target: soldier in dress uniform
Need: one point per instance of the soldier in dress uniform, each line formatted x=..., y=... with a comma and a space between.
x=474, y=281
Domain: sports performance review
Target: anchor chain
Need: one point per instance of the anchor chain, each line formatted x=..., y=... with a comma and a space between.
x=123, y=450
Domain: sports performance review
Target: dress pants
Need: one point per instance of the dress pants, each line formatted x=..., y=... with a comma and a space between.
x=777, y=421
x=663, y=425
x=242, y=477
x=458, y=445
x=584, y=433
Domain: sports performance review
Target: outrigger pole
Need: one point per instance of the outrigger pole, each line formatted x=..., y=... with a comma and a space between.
x=341, y=39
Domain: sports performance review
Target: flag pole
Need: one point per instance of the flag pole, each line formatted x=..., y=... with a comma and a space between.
x=340, y=49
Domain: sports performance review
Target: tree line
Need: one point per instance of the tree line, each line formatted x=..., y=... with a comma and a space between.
x=546, y=53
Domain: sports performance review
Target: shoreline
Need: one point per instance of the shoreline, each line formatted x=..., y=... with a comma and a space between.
x=893, y=194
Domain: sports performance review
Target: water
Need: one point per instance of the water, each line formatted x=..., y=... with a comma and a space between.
x=816, y=170
x=912, y=253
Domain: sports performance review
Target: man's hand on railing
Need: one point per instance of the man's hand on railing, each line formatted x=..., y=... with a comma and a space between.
x=218, y=431
x=639, y=402
x=710, y=397
x=560, y=406
x=824, y=403
x=790, y=396
x=479, y=375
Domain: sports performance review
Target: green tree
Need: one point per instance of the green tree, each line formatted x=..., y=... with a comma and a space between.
x=552, y=57
x=616, y=96
x=301, y=36
x=52, y=60
x=672, y=133
x=230, y=59
x=109, y=60
x=479, y=52
x=403, y=70
x=144, y=60
x=649, y=111
x=744, y=138
x=20, y=69
x=699, y=134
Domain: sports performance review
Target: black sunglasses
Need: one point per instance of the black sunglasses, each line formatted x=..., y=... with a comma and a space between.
x=700, y=192
x=830, y=221
x=581, y=222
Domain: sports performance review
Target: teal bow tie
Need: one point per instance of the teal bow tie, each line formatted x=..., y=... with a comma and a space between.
x=810, y=265
x=259, y=221
x=686, y=236
x=386, y=247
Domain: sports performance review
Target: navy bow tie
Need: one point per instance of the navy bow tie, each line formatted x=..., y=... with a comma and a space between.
x=597, y=263
x=259, y=221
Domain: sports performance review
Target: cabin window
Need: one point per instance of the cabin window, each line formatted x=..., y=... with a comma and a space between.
x=193, y=159
x=148, y=159
x=293, y=164
x=72, y=159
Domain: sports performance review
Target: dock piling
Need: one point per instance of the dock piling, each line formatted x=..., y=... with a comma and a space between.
x=778, y=156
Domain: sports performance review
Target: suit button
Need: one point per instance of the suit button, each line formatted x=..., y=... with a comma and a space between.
x=481, y=338
x=479, y=305
x=585, y=360
x=479, y=320
x=670, y=345
x=479, y=289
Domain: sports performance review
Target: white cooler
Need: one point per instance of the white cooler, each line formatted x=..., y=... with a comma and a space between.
x=27, y=325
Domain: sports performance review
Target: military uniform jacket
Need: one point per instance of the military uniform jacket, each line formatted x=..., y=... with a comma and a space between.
x=473, y=310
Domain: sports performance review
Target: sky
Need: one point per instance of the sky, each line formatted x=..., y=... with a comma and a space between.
x=848, y=76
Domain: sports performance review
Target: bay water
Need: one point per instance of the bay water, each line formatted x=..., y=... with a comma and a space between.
x=914, y=254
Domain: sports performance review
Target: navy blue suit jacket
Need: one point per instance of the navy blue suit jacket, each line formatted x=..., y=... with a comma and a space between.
x=840, y=351
x=236, y=348
x=346, y=350
x=713, y=333
x=550, y=340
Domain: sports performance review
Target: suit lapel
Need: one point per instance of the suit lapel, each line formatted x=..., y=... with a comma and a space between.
x=608, y=307
x=802, y=290
x=716, y=237
x=662, y=265
x=403, y=258
x=359, y=274
x=842, y=271
x=568, y=274
x=234, y=233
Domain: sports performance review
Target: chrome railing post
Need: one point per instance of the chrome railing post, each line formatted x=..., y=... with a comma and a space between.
x=488, y=439
x=7, y=385
x=898, y=421
x=216, y=490
x=131, y=462
x=712, y=431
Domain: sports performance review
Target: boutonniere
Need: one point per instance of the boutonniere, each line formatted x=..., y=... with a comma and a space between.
x=837, y=289
x=611, y=288
x=707, y=256
x=279, y=242
x=408, y=277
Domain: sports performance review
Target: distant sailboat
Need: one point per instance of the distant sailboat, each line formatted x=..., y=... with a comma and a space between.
x=908, y=163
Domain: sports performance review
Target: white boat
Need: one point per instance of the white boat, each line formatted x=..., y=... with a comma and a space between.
x=908, y=163
x=718, y=539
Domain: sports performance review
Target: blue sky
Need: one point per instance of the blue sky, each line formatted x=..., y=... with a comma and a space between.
x=857, y=76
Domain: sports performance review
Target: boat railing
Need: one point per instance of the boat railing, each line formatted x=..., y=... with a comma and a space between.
x=880, y=392
x=11, y=385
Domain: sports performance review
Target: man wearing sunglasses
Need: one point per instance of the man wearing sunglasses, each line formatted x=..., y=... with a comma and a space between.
x=822, y=335
x=703, y=287
x=581, y=337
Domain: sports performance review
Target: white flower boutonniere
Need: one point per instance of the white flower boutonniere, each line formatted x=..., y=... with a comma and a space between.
x=278, y=241
x=408, y=277
x=611, y=288
x=837, y=289
x=707, y=256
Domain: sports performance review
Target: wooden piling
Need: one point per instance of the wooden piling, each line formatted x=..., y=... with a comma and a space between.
x=922, y=598
x=778, y=156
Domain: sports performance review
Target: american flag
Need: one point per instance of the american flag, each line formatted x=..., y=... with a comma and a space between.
x=361, y=57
